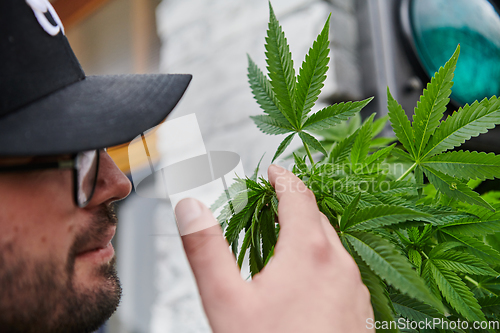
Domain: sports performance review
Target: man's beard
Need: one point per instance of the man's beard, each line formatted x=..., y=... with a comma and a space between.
x=42, y=296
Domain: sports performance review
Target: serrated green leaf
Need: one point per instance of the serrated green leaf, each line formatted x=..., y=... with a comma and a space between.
x=429, y=279
x=325, y=209
x=263, y=93
x=490, y=305
x=454, y=188
x=473, y=183
x=267, y=231
x=280, y=67
x=270, y=125
x=362, y=142
x=342, y=130
x=342, y=149
x=389, y=199
x=238, y=212
x=312, y=142
x=313, y=73
x=456, y=292
x=239, y=221
x=269, y=255
x=466, y=165
x=274, y=204
x=300, y=163
x=230, y=194
x=244, y=247
x=493, y=197
x=390, y=265
x=256, y=170
x=400, y=124
x=383, y=215
x=401, y=154
x=483, y=213
x=366, y=200
x=379, y=125
x=382, y=142
x=416, y=259
x=432, y=104
x=333, y=114
x=441, y=248
x=441, y=215
x=255, y=260
x=283, y=145
x=333, y=204
x=419, y=178
x=414, y=310
x=493, y=240
x=474, y=226
x=378, y=294
x=474, y=243
x=467, y=122
x=486, y=286
x=396, y=187
x=348, y=211
x=462, y=262
x=379, y=156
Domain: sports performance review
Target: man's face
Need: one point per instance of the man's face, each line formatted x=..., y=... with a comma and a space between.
x=56, y=267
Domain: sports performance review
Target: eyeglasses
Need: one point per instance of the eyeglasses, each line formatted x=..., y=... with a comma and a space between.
x=85, y=166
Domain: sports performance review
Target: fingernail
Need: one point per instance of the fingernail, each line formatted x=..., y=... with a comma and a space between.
x=277, y=169
x=186, y=211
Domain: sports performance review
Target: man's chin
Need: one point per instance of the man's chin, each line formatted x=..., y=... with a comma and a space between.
x=98, y=298
x=54, y=300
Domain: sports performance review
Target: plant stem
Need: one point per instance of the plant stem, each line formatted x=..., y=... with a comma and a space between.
x=407, y=172
x=308, y=153
x=474, y=282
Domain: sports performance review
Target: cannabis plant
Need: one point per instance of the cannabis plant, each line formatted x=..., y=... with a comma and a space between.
x=427, y=245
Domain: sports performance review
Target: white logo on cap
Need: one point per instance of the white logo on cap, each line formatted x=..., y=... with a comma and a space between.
x=40, y=7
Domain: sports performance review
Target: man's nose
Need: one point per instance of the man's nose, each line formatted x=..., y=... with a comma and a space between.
x=112, y=184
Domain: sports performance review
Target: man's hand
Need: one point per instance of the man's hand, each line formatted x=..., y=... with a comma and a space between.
x=311, y=284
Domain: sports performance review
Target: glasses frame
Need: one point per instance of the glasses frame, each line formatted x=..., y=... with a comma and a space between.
x=60, y=164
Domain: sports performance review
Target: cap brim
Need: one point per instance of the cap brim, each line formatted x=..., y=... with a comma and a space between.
x=97, y=112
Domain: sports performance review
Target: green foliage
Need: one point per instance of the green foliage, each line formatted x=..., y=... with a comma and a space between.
x=286, y=99
x=426, y=243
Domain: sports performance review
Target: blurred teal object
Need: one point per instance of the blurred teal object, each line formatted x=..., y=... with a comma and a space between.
x=438, y=26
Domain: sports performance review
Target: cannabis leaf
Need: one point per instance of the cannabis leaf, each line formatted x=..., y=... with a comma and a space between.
x=432, y=104
x=427, y=137
x=467, y=122
x=456, y=292
x=384, y=259
x=286, y=99
x=280, y=66
x=426, y=243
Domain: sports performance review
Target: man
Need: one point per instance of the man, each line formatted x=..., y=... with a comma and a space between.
x=57, y=186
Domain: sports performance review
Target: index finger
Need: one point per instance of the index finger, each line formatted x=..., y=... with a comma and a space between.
x=298, y=211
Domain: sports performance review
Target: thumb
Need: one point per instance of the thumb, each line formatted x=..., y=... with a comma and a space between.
x=213, y=265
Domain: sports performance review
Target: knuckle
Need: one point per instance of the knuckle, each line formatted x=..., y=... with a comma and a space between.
x=321, y=250
x=309, y=194
x=223, y=294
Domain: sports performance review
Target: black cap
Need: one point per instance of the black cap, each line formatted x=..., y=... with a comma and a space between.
x=49, y=106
